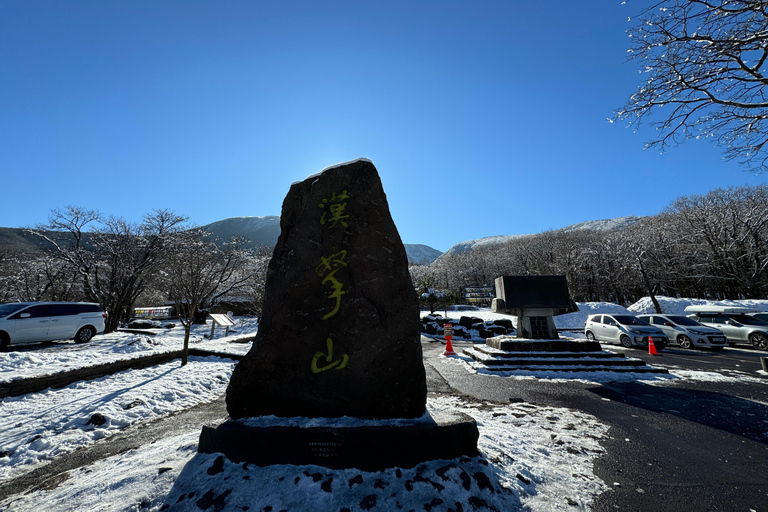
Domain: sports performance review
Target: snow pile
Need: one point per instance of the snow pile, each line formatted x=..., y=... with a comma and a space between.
x=533, y=458
x=674, y=306
x=40, y=426
x=577, y=319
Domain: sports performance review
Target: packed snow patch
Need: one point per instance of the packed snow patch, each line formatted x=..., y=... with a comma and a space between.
x=41, y=426
x=533, y=458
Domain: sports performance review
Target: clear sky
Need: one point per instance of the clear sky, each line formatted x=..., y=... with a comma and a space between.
x=483, y=118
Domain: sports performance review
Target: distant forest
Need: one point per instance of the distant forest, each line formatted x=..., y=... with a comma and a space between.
x=712, y=246
x=82, y=255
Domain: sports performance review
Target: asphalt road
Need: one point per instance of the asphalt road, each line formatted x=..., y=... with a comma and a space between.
x=679, y=446
x=739, y=358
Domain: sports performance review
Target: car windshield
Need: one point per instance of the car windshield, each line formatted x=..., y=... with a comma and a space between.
x=7, y=309
x=748, y=320
x=630, y=320
x=683, y=320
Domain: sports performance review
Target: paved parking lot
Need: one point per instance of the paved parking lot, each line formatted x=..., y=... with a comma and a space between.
x=682, y=444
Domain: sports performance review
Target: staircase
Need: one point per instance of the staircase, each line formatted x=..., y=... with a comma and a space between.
x=498, y=360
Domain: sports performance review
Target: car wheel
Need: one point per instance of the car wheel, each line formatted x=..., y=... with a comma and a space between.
x=590, y=336
x=684, y=341
x=5, y=340
x=84, y=335
x=626, y=341
x=759, y=341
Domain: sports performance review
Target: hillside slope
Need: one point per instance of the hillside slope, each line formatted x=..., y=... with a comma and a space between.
x=592, y=225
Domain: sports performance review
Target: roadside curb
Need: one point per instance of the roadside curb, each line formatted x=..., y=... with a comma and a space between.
x=64, y=379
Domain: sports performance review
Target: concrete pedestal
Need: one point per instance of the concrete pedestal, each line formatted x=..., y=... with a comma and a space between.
x=364, y=444
x=512, y=344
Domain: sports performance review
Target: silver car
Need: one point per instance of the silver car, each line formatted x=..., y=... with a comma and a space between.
x=736, y=323
x=628, y=330
x=687, y=332
x=22, y=322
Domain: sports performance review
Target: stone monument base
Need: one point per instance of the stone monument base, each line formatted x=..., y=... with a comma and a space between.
x=369, y=445
x=513, y=344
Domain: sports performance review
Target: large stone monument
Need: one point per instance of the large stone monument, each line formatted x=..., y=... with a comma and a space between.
x=339, y=336
x=534, y=300
x=339, y=333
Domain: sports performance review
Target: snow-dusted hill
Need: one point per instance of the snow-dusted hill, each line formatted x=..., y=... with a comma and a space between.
x=481, y=243
x=604, y=224
x=592, y=225
x=419, y=253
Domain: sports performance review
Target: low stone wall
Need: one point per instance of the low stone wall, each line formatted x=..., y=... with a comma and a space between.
x=64, y=379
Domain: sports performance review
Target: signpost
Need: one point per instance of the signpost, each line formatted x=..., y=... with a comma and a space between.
x=223, y=320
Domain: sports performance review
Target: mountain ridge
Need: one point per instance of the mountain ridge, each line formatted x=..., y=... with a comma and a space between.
x=613, y=224
x=264, y=231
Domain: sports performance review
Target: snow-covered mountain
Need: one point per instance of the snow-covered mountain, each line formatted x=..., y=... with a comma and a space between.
x=481, y=243
x=593, y=225
x=419, y=253
x=616, y=224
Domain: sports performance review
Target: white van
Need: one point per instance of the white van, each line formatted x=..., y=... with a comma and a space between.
x=735, y=322
x=22, y=322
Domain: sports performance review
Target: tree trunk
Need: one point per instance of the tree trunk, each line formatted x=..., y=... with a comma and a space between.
x=185, y=350
x=656, y=305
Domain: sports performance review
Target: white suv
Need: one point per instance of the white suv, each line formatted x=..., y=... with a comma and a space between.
x=735, y=322
x=47, y=321
x=687, y=332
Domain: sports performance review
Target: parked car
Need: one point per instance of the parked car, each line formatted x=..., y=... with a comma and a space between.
x=628, y=330
x=47, y=321
x=687, y=332
x=762, y=315
x=735, y=322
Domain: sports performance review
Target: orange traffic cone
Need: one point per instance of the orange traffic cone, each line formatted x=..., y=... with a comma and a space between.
x=448, y=347
x=651, y=347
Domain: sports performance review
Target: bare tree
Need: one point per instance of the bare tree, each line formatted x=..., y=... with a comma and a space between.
x=198, y=274
x=116, y=258
x=706, y=67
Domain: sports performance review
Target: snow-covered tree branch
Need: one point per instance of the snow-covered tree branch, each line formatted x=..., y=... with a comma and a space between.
x=706, y=76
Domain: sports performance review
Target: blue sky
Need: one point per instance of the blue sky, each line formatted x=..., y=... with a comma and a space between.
x=483, y=118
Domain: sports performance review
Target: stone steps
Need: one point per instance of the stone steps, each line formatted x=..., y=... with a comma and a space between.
x=602, y=354
x=603, y=361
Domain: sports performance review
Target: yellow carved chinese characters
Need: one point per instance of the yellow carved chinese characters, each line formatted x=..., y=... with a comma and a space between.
x=334, y=210
x=327, y=270
x=338, y=364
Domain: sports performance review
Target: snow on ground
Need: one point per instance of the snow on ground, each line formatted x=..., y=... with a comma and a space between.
x=533, y=458
x=24, y=362
x=602, y=377
x=38, y=427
